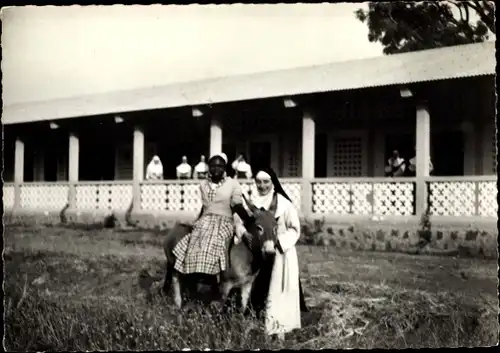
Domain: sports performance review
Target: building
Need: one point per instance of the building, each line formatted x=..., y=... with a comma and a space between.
x=328, y=130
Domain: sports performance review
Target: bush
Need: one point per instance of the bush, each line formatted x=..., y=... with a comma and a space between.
x=311, y=230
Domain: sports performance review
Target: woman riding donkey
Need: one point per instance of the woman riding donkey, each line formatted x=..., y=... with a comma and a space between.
x=204, y=250
x=277, y=290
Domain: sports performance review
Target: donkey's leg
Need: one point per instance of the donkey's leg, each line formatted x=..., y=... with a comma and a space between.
x=225, y=289
x=176, y=286
x=167, y=284
x=245, y=295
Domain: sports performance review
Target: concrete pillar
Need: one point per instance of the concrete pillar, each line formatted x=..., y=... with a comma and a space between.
x=308, y=146
x=215, y=136
x=138, y=173
x=73, y=168
x=18, y=172
x=423, y=134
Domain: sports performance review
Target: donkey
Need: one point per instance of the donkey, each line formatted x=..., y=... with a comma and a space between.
x=244, y=258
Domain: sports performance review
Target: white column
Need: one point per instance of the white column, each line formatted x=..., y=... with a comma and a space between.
x=73, y=168
x=138, y=165
x=18, y=171
x=74, y=157
x=138, y=151
x=423, y=156
x=308, y=144
x=215, y=136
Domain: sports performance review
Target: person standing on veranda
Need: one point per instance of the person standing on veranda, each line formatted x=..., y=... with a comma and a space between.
x=277, y=289
x=395, y=165
x=154, y=170
x=201, y=169
x=183, y=170
x=242, y=170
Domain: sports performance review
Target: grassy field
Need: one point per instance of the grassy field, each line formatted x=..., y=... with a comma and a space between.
x=77, y=289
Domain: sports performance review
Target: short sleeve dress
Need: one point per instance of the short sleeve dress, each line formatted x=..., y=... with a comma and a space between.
x=204, y=249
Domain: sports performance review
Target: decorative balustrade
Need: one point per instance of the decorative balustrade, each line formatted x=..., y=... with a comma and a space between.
x=44, y=195
x=448, y=196
x=8, y=196
x=463, y=196
x=364, y=196
x=173, y=195
x=170, y=195
x=107, y=195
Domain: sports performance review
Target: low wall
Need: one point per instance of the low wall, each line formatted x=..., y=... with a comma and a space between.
x=443, y=238
x=458, y=237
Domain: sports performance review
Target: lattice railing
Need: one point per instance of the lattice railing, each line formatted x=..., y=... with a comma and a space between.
x=47, y=196
x=448, y=196
x=8, y=197
x=463, y=196
x=185, y=195
x=364, y=196
x=104, y=195
x=171, y=196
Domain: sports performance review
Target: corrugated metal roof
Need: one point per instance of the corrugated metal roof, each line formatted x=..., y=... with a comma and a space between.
x=427, y=65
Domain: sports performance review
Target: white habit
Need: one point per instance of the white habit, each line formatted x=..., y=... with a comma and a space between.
x=283, y=301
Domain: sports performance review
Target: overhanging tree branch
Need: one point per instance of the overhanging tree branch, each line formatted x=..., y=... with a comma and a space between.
x=427, y=24
x=487, y=19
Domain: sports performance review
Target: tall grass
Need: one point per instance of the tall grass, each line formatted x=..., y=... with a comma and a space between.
x=51, y=321
x=73, y=290
x=44, y=323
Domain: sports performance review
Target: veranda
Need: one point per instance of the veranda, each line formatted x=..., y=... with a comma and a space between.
x=328, y=141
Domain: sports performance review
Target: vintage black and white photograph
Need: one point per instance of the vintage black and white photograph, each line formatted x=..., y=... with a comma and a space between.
x=250, y=176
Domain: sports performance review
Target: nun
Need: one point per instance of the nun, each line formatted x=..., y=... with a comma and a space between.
x=154, y=170
x=201, y=169
x=277, y=291
x=183, y=170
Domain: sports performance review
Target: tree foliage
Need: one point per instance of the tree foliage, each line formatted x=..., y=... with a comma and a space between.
x=408, y=26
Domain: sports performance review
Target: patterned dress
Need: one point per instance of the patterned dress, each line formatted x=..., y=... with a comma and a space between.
x=204, y=249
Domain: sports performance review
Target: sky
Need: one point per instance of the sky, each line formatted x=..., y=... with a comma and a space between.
x=61, y=52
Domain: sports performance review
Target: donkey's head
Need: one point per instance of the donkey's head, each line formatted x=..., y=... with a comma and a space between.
x=263, y=226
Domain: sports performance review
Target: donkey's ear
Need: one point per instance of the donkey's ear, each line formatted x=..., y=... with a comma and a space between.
x=277, y=218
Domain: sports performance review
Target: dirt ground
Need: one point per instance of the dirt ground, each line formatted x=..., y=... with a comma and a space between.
x=100, y=264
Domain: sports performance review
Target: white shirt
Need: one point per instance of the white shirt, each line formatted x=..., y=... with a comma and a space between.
x=395, y=162
x=184, y=169
x=201, y=167
x=242, y=167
